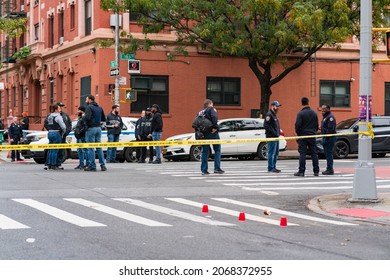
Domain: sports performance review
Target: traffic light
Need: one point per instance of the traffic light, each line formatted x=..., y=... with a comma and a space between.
x=388, y=43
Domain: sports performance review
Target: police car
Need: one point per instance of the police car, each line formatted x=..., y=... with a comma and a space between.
x=123, y=153
x=234, y=128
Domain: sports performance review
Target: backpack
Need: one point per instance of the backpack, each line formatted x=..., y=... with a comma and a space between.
x=201, y=124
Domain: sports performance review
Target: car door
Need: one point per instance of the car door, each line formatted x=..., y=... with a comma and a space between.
x=249, y=129
x=381, y=128
x=227, y=131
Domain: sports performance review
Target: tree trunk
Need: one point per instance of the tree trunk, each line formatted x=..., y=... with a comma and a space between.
x=264, y=79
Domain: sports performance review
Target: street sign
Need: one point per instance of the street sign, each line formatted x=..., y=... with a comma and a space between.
x=113, y=64
x=122, y=81
x=114, y=72
x=127, y=56
x=134, y=66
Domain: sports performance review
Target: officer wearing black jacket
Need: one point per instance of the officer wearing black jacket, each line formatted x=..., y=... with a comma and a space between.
x=15, y=134
x=157, y=130
x=144, y=134
x=328, y=127
x=306, y=124
x=114, y=126
x=272, y=130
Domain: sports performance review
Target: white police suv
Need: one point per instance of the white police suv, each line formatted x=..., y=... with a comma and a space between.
x=123, y=153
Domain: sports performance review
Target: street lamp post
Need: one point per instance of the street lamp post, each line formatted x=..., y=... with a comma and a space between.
x=116, y=95
x=364, y=182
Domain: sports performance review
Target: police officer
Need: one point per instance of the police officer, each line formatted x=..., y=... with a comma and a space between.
x=272, y=130
x=306, y=124
x=145, y=135
x=328, y=127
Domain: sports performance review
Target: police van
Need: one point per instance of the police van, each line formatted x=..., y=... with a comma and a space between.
x=123, y=153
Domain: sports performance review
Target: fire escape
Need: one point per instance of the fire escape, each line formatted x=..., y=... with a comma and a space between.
x=9, y=9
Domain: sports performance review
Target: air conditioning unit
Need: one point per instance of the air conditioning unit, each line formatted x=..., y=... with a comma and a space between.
x=22, y=8
x=61, y=40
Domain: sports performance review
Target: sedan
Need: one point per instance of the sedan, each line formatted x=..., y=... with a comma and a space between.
x=229, y=129
x=348, y=144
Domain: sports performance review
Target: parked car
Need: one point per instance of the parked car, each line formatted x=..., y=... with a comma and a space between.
x=123, y=153
x=230, y=129
x=348, y=144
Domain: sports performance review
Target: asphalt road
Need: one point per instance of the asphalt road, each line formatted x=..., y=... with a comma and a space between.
x=149, y=212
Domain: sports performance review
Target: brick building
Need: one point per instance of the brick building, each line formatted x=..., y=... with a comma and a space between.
x=66, y=65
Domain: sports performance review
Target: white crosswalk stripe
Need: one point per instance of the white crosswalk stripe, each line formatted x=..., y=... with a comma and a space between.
x=8, y=223
x=117, y=213
x=59, y=214
x=174, y=213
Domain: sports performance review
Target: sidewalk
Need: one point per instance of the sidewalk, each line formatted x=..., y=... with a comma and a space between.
x=333, y=205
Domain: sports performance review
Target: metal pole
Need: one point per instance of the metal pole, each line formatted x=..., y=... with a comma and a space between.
x=117, y=53
x=364, y=184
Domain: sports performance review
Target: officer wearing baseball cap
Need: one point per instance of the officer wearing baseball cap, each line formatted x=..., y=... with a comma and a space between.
x=272, y=130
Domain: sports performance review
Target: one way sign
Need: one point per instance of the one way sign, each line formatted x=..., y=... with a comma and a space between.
x=114, y=72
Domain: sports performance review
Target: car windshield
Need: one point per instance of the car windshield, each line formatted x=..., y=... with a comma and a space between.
x=346, y=124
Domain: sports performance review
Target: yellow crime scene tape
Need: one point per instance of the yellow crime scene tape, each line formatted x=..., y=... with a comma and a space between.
x=168, y=142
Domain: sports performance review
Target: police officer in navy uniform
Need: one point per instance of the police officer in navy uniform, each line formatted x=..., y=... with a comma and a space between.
x=306, y=124
x=328, y=127
x=272, y=130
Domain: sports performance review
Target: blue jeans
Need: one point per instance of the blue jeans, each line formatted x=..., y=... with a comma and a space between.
x=54, y=138
x=328, y=144
x=205, y=153
x=94, y=135
x=156, y=137
x=273, y=153
x=82, y=153
x=111, y=152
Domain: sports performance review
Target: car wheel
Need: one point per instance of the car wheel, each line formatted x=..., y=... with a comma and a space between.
x=195, y=153
x=340, y=150
x=130, y=154
x=262, y=151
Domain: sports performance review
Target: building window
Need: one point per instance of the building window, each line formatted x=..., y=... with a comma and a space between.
x=72, y=16
x=335, y=93
x=36, y=32
x=88, y=17
x=14, y=96
x=387, y=99
x=51, y=94
x=150, y=90
x=51, y=31
x=224, y=91
x=61, y=26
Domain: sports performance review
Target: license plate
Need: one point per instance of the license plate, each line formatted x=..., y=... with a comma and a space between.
x=164, y=151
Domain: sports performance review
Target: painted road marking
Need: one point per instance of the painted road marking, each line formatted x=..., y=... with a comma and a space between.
x=228, y=211
x=59, y=214
x=307, y=188
x=117, y=213
x=8, y=223
x=173, y=212
x=291, y=183
x=265, y=179
x=282, y=212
